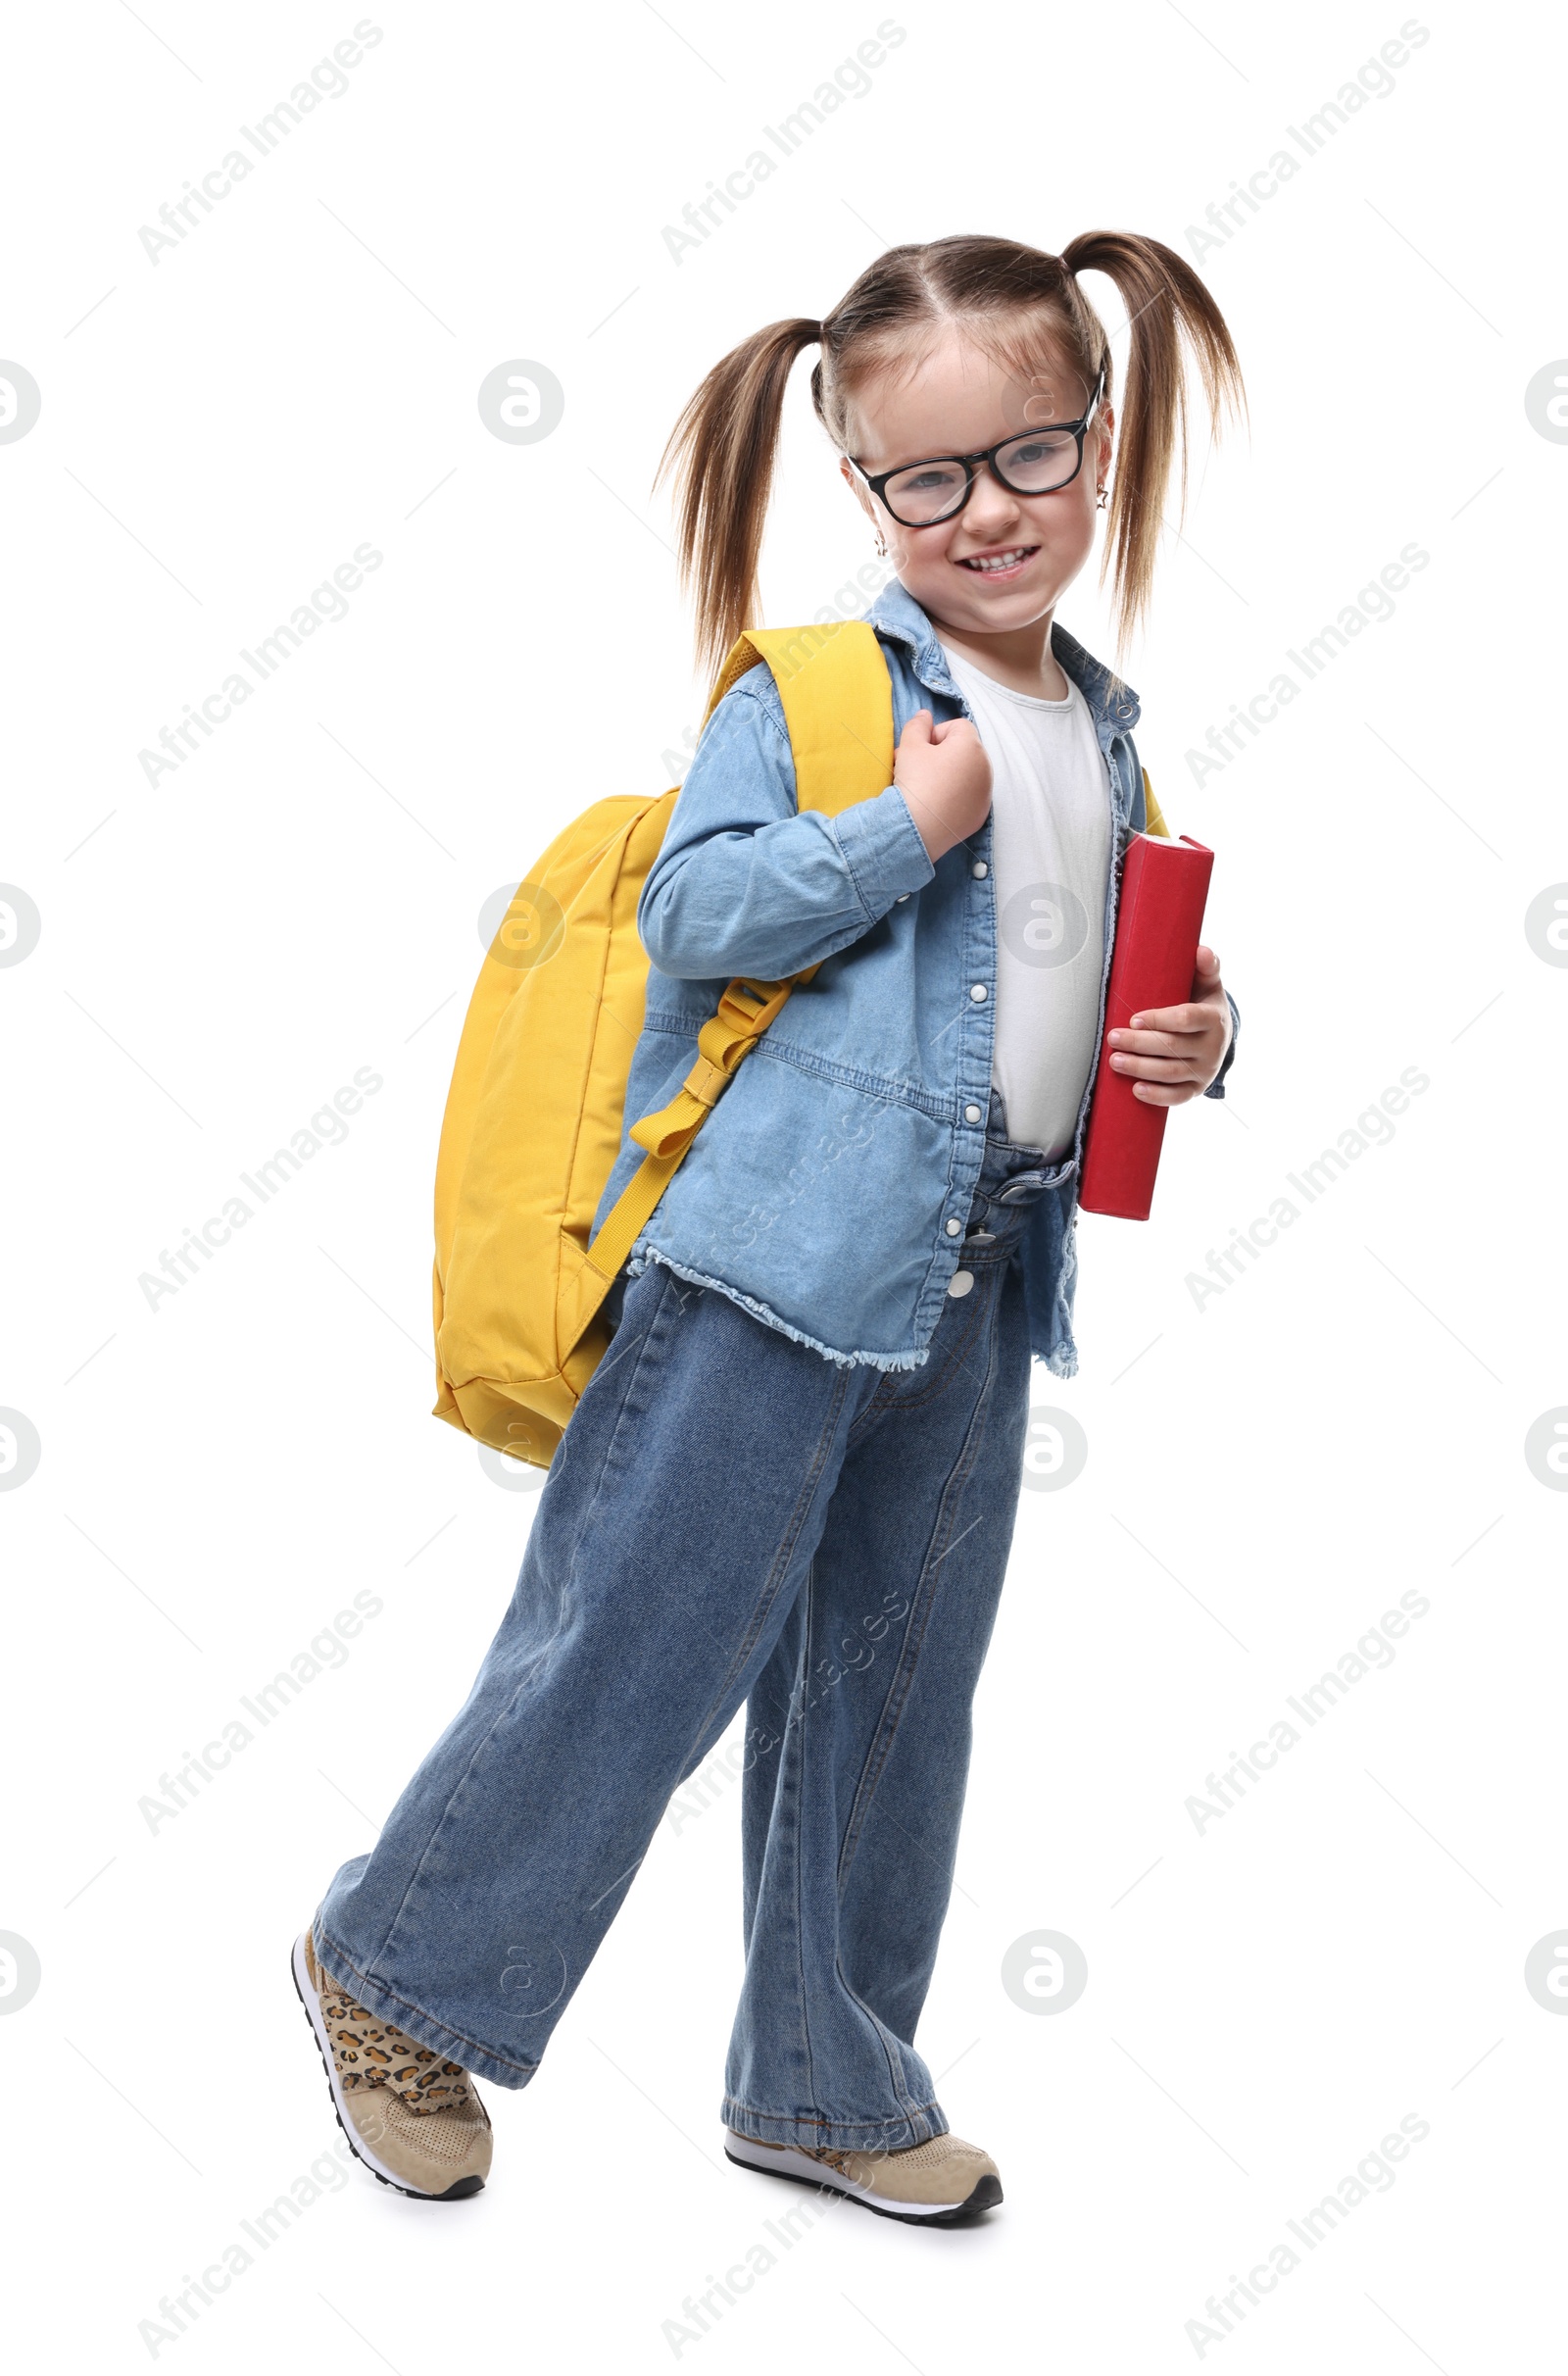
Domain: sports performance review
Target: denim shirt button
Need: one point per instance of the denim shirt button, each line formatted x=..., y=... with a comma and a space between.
x=977, y=991
x=979, y=870
x=971, y=1114
x=954, y=1228
x=961, y=1282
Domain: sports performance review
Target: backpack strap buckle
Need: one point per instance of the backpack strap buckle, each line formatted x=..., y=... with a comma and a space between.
x=745, y=1011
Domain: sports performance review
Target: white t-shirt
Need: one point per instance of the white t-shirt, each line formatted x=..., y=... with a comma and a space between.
x=1051, y=836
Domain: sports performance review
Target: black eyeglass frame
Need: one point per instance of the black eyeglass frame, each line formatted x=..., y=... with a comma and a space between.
x=970, y=465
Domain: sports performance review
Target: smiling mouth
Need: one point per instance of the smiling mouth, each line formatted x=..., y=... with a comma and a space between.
x=998, y=564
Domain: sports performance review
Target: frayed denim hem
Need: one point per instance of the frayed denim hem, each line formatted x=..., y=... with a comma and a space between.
x=642, y=1256
x=843, y=2136
x=416, y=2024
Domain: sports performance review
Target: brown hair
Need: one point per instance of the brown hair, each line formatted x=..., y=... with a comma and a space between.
x=1013, y=300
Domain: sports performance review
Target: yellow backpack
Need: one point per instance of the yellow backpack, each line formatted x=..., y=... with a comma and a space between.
x=534, y=1114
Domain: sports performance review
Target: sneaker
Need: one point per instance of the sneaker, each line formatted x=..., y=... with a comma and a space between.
x=415, y=2120
x=939, y=2184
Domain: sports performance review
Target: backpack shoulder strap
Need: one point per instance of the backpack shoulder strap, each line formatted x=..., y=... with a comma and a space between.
x=838, y=707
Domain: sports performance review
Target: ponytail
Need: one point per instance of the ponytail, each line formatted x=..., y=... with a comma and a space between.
x=1166, y=304
x=1010, y=299
x=721, y=453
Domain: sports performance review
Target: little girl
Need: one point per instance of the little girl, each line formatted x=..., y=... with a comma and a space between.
x=791, y=1483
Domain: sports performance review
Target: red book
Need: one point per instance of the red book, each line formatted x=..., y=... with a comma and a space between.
x=1164, y=885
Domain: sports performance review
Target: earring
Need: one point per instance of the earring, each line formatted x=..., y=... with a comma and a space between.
x=1101, y=497
x=881, y=546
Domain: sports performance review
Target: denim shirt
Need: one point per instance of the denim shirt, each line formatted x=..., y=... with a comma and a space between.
x=828, y=1191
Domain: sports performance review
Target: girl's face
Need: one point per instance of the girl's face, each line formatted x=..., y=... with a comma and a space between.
x=959, y=400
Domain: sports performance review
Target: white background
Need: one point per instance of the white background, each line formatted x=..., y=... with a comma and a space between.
x=1266, y=1474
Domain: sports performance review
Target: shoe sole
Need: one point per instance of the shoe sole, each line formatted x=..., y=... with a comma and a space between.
x=299, y=1972
x=985, y=2197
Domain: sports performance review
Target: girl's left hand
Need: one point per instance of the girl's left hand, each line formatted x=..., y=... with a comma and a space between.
x=1173, y=1053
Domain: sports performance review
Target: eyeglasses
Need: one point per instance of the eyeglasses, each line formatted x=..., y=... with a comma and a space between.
x=919, y=494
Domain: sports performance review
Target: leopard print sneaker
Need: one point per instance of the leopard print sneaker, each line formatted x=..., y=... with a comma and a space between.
x=943, y=2183
x=415, y=2120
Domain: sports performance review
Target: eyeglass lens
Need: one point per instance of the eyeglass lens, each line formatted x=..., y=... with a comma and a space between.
x=1031, y=465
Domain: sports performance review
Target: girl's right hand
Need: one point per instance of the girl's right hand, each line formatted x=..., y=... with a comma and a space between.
x=945, y=776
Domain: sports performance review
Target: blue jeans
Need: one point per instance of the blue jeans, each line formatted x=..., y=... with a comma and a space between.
x=731, y=1519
